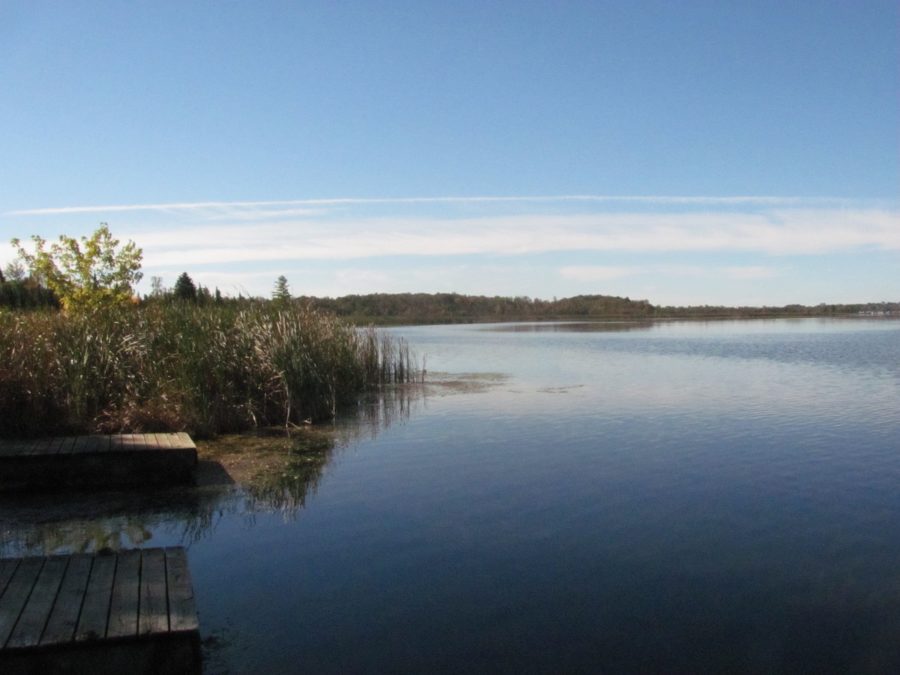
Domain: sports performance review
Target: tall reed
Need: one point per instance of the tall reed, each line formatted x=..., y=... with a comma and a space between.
x=179, y=366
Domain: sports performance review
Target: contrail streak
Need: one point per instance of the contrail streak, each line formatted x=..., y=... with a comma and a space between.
x=735, y=200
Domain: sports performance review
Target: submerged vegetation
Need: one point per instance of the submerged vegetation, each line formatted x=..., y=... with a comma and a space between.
x=174, y=366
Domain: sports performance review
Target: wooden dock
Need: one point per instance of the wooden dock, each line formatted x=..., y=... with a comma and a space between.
x=119, y=460
x=128, y=612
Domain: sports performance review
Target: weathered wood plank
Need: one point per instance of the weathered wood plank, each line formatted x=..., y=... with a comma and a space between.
x=80, y=445
x=183, y=441
x=86, y=462
x=49, y=446
x=20, y=446
x=16, y=595
x=67, y=608
x=7, y=569
x=55, y=444
x=128, y=441
x=67, y=445
x=182, y=611
x=154, y=611
x=38, y=446
x=123, y=610
x=9, y=448
x=95, y=608
x=50, y=606
x=91, y=443
x=36, y=612
x=102, y=443
x=26, y=446
x=95, y=443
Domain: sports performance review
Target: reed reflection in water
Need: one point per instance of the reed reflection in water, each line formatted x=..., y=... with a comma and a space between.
x=240, y=475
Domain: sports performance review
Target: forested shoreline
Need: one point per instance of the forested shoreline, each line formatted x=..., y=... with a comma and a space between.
x=423, y=308
x=420, y=308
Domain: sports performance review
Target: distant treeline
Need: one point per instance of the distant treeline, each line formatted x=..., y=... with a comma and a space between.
x=420, y=308
x=456, y=308
x=823, y=309
x=397, y=308
x=25, y=294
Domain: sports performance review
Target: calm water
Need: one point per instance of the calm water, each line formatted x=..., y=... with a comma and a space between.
x=680, y=498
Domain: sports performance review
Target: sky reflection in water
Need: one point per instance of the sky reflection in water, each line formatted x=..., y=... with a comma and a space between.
x=679, y=497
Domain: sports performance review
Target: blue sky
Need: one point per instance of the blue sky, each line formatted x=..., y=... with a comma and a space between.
x=697, y=152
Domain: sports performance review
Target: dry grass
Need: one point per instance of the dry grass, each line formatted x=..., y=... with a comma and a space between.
x=172, y=367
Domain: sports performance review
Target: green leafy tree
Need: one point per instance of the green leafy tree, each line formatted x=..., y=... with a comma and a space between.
x=282, y=292
x=95, y=272
x=185, y=288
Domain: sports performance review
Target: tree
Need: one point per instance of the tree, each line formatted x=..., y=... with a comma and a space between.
x=26, y=294
x=93, y=273
x=184, y=288
x=281, y=293
x=14, y=271
x=156, y=283
x=204, y=297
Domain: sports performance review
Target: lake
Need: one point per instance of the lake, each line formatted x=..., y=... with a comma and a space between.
x=674, y=497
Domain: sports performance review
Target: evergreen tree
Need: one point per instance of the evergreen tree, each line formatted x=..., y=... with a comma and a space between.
x=204, y=297
x=26, y=294
x=281, y=292
x=184, y=288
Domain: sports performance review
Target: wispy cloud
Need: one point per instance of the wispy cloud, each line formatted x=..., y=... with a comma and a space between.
x=592, y=273
x=750, y=272
x=600, y=273
x=240, y=206
x=773, y=232
x=427, y=243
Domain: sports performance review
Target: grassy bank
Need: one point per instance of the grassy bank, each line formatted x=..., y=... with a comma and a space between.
x=182, y=367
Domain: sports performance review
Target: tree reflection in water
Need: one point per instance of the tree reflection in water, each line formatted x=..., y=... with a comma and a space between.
x=266, y=471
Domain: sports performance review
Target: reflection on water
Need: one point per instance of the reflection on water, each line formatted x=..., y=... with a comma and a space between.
x=680, y=498
x=571, y=327
x=238, y=475
x=44, y=524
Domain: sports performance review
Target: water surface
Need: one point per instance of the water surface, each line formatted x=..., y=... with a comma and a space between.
x=670, y=497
